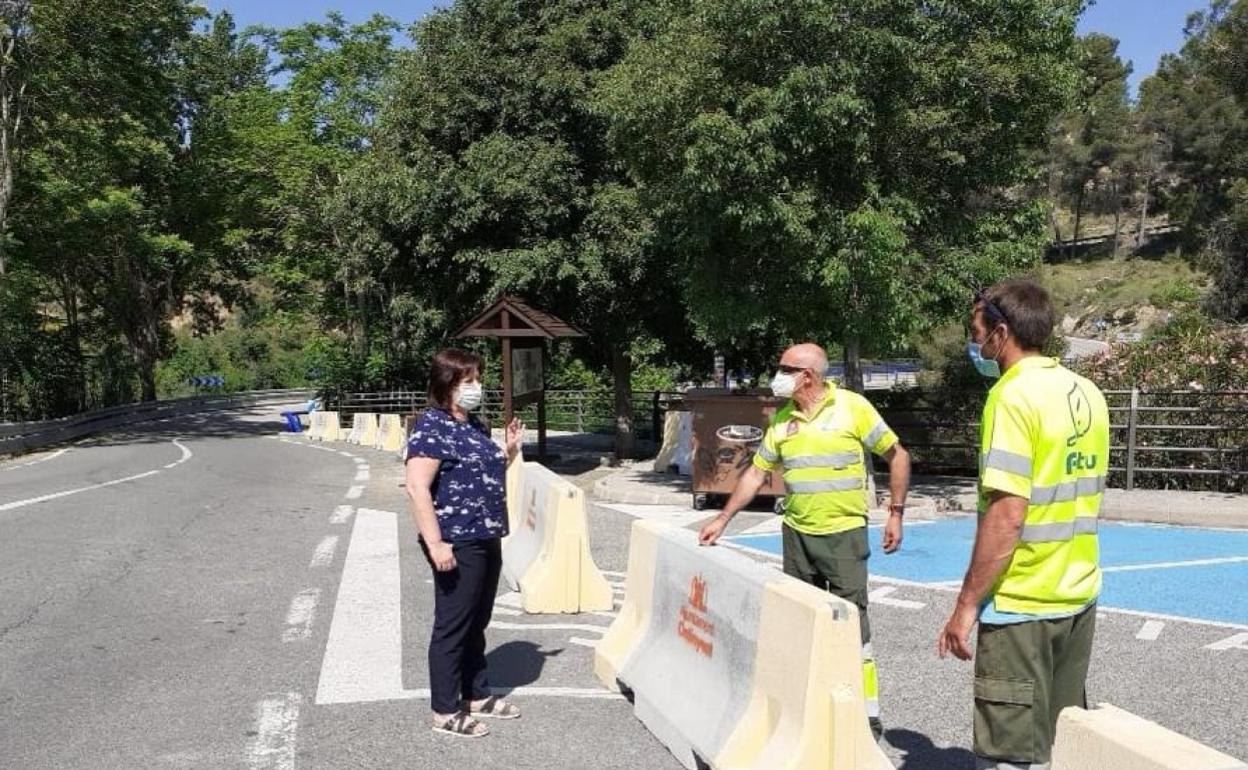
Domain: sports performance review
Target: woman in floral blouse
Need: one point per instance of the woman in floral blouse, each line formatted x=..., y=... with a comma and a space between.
x=455, y=481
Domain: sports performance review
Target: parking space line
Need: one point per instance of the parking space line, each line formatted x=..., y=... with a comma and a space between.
x=1236, y=642
x=1176, y=564
x=1150, y=630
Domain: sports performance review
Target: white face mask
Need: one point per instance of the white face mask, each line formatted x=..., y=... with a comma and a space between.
x=783, y=385
x=469, y=395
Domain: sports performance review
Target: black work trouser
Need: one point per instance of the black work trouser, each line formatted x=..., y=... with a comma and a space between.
x=463, y=603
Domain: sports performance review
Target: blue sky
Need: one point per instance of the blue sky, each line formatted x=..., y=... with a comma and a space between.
x=1147, y=28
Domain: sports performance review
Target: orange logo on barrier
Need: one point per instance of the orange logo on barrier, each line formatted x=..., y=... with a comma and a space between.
x=693, y=626
x=697, y=593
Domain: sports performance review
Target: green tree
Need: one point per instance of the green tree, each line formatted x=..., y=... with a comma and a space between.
x=841, y=170
x=1197, y=106
x=491, y=174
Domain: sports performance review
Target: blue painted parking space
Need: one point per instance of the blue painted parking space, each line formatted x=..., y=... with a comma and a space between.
x=1182, y=571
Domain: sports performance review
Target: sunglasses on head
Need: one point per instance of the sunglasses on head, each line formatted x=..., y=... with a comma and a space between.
x=991, y=309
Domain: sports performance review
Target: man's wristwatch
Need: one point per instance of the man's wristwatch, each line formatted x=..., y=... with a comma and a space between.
x=897, y=508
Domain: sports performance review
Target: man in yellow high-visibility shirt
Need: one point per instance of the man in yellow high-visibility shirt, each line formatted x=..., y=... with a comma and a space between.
x=817, y=437
x=1034, y=577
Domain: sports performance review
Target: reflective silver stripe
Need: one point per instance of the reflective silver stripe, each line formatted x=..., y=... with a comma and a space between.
x=1058, y=530
x=1010, y=462
x=876, y=434
x=868, y=652
x=873, y=708
x=827, y=485
x=836, y=460
x=767, y=454
x=1068, y=490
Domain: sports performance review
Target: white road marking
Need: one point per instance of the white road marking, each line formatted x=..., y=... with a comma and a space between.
x=506, y=611
x=354, y=492
x=341, y=514
x=358, y=460
x=301, y=614
x=590, y=643
x=1236, y=642
x=277, y=725
x=324, y=554
x=610, y=574
x=549, y=627
x=880, y=596
x=68, y=492
x=535, y=692
x=186, y=455
x=1100, y=609
x=347, y=454
x=1174, y=564
x=52, y=456
x=362, y=475
x=364, y=653
x=1150, y=630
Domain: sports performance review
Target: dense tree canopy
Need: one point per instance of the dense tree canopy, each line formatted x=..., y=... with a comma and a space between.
x=327, y=203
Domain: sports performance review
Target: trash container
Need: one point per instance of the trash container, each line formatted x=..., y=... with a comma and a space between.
x=728, y=427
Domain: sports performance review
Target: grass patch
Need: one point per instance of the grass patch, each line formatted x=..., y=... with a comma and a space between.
x=1110, y=284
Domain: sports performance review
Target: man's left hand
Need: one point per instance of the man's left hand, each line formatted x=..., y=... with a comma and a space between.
x=891, y=540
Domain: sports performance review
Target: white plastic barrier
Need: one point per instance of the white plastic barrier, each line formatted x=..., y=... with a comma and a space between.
x=734, y=665
x=546, y=555
x=677, y=449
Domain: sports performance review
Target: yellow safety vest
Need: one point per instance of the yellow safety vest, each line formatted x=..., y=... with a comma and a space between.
x=1045, y=438
x=821, y=454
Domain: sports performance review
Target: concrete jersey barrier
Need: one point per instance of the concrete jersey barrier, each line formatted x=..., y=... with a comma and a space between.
x=546, y=555
x=330, y=429
x=1109, y=738
x=733, y=665
x=368, y=429
x=316, y=425
x=363, y=429
x=390, y=436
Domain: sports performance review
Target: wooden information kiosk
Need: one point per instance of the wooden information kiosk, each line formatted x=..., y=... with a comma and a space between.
x=523, y=331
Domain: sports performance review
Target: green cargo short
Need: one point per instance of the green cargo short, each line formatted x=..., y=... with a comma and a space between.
x=1025, y=674
x=835, y=562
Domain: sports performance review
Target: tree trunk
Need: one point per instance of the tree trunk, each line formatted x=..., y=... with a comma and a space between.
x=1139, y=235
x=1074, y=238
x=1117, y=216
x=622, y=372
x=853, y=364
x=145, y=342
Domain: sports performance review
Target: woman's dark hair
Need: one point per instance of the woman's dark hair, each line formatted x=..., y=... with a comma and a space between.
x=450, y=367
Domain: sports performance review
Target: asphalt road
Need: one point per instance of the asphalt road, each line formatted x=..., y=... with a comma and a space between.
x=206, y=592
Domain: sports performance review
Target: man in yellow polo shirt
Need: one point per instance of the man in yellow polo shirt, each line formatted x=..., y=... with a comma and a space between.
x=1034, y=577
x=817, y=438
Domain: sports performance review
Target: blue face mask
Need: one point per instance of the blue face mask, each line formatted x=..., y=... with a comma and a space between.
x=985, y=366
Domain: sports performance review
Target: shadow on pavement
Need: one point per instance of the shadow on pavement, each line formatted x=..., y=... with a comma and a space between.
x=921, y=754
x=516, y=664
x=241, y=423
